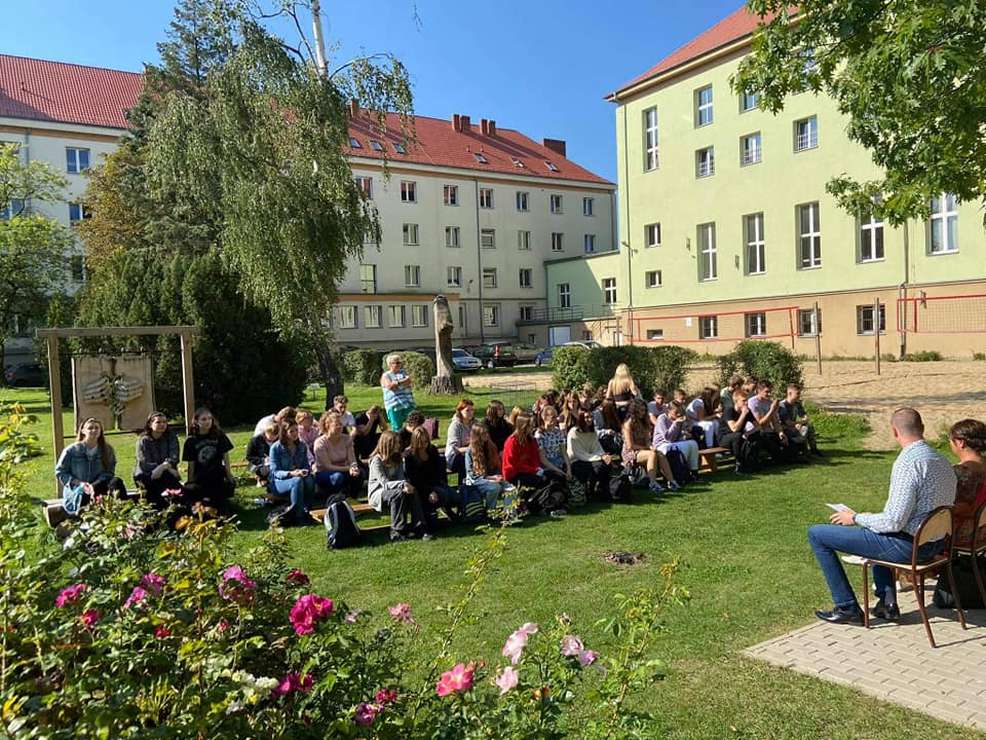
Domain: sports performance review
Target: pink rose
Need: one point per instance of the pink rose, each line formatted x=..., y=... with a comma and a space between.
x=517, y=641
x=386, y=696
x=587, y=657
x=89, y=618
x=528, y=628
x=136, y=597
x=293, y=682
x=571, y=645
x=298, y=578
x=458, y=680
x=153, y=583
x=507, y=680
x=222, y=626
x=366, y=714
x=402, y=613
x=160, y=632
x=353, y=616
x=308, y=611
x=70, y=595
x=236, y=585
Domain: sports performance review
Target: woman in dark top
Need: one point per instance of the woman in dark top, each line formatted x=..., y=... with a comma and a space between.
x=497, y=425
x=366, y=434
x=157, y=460
x=622, y=389
x=968, y=441
x=210, y=480
x=424, y=468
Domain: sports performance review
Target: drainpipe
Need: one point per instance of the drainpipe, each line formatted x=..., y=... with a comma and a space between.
x=903, y=288
x=479, y=262
x=626, y=199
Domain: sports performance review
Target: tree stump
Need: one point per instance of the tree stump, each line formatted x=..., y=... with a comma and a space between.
x=446, y=382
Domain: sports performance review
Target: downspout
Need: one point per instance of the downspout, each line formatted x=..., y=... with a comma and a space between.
x=626, y=200
x=902, y=291
x=479, y=262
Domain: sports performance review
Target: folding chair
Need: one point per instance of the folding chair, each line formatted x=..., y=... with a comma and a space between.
x=978, y=546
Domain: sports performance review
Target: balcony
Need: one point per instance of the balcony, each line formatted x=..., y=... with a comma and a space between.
x=574, y=313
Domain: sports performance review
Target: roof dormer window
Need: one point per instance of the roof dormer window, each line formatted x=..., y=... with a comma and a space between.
x=517, y=163
x=354, y=143
x=399, y=148
x=480, y=157
x=550, y=165
x=376, y=145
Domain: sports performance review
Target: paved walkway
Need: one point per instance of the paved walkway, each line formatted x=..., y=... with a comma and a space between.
x=894, y=662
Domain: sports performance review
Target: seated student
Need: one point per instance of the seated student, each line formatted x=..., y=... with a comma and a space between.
x=967, y=439
x=290, y=474
x=657, y=406
x=921, y=481
x=308, y=432
x=156, y=470
x=87, y=468
x=739, y=434
x=590, y=464
x=258, y=453
x=764, y=410
x=608, y=427
x=497, y=425
x=548, y=398
x=414, y=420
x=336, y=471
x=387, y=487
x=288, y=412
x=512, y=418
x=794, y=421
x=424, y=468
x=726, y=394
x=570, y=408
x=206, y=450
x=340, y=404
x=527, y=467
x=637, y=450
x=483, y=465
x=703, y=412
x=366, y=434
x=551, y=440
x=457, y=437
x=669, y=434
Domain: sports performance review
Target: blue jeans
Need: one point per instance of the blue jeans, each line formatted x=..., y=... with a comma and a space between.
x=335, y=481
x=827, y=540
x=298, y=489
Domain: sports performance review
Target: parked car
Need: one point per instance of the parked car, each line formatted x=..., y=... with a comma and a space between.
x=497, y=354
x=545, y=356
x=465, y=362
x=24, y=375
x=586, y=344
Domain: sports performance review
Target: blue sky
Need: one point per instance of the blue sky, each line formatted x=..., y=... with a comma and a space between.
x=540, y=66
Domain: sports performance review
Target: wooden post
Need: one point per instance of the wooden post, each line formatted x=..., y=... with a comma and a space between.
x=790, y=326
x=55, y=386
x=876, y=332
x=816, y=314
x=187, y=380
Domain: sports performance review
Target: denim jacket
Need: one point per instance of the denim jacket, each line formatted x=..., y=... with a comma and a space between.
x=74, y=467
x=282, y=462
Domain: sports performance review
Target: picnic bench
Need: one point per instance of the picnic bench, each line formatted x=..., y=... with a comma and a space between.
x=709, y=457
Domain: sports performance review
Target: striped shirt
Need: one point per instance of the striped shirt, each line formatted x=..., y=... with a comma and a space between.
x=400, y=398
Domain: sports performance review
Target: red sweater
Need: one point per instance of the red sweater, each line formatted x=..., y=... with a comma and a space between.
x=520, y=458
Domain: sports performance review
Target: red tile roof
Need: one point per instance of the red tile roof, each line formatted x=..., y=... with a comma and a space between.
x=39, y=90
x=439, y=144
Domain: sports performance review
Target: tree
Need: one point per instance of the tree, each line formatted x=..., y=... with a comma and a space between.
x=32, y=245
x=909, y=76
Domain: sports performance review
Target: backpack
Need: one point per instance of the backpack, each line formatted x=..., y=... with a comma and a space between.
x=341, y=528
x=576, y=492
x=282, y=516
x=472, y=505
x=679, y=465
x=965, y=582
x=548, y=497
x=619, y=487
x=698, y=434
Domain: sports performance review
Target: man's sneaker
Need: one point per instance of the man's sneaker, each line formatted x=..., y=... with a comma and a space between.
x=841, y=615
x=656, y=487
x=557, y=513
x=882, y=611
x=673, y=485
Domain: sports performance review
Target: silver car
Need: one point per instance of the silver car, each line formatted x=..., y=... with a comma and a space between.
x=465, y=362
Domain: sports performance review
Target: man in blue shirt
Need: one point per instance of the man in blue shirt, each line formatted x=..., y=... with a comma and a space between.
x=921, y=481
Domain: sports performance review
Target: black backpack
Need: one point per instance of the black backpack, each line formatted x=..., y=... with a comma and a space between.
x=472, y=505
x=679, y=465
x=341, y=528
x=619, y=486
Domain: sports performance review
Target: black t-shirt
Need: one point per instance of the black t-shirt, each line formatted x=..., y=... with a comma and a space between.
x=733, y=414
x=207, y=453
x=499, y=431
x=364, y=444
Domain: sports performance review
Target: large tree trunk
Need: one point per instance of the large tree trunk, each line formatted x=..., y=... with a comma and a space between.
x=331, y=376
x=445, y=382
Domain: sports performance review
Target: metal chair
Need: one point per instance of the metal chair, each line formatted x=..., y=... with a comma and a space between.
x=978, y=546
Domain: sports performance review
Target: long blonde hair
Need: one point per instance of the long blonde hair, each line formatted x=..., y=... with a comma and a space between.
x=622, y=380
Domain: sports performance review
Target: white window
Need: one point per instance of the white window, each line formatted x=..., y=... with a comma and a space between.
x=354, y=143
x=655, y=334
x=650, y=139
x=805, y=134
x=864, y=319
x=589, y=243
x=551, y=166
x=870, y=237
x=518, y=163
x=555, y=204
x=944, y=224
x=756, y=262
x=77, y=212
x=450, y=195
x=76, y=160
x=524, y=241
x=588, y=206
x=808, y=324
x=347, y=317
x=653, y=279
x=409, y=191
x=609, y=291
x=523, y=201
x=452, y=236
x=810, y=235
x=756, y=324
x=491, y=314
x=368, y=279
x=419, y=316
x=557, y=243
x=750, y=149
x=396, y=317
x=365, y=184
x=410, y=234
x=526, y=277
x=749, y=101
x=372, y=317
x=463, y=316
x=487, y=238
x=703, y=106
x=705, y=162
x=708, y=327
x=480, y=157
x=486, y=197
x=527, y=313
x=376, y=145
x=652, y=235
x=454, y=277
x=564, y=295
x=412, y=276
x=707, y=255
x=489, y=277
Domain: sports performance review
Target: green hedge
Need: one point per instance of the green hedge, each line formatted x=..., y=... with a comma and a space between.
x=762, y=361
x=420, y=367
x=652, y=367
x=362, y=366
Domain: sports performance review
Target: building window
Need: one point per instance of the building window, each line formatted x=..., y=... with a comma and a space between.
x=808, y=326
x=491, y=315
x=526, y=277
x=756, y=259
x=76, y=160
x=557, y=245
x=870, y=237
x=489, y=277
x=411, y=235
x=650, y=139
x=487, y=238
x=454, y=277
x=708, y=327
x=399, y=148
x=589, y=243
x=354, y=143
x=652, y=279
x=77, y=212
x=480, y=157
x=486, y=197
x=864, y=319
x=609, y=291
x=707, y=256
x=396, y=317
x=412, y=276
x=409, y=191
x=805, y=134
x=527, y=313
x=555, y=201
x=703, y=106
x=750, y=150
x=564, y=295
x=463, y=315
x=365, y=184
x=372, y=317
x=524, y=241
x=652, y=235
x=552, y=167
x=944, y=224
x=347, y=317
x=523, y=201
x=756, y=324
x=749, y=101
x=655, y=335
x=452, y=237
x=450, y=195
x=376, y=145
x=419, y=316
x=368, y=278
x=705, y=162
x=588, y=206
x=77, y=267
x=14, y=208
x=810, y=235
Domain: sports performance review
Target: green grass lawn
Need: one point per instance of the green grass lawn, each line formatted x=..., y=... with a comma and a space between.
x=744, y=559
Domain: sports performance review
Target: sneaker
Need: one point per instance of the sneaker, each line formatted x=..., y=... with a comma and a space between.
x=842, y=615
x=557, y=514
x=673, y=486
x=427, y=537
x=884, y=611
x=656, y=487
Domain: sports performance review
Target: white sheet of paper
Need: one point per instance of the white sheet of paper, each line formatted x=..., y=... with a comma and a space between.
x=837, y=507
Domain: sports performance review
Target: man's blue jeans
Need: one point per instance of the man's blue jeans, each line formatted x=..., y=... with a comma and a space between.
x=827, y=540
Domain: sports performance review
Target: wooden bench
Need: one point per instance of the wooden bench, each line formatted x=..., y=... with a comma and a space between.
x=54, y=509
x=709, y=457
x=360, y=508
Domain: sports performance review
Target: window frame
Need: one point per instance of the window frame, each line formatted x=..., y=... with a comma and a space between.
x=758, y=317
x=486, y=199
x=523, y=240
x=422, y=311
x=943, y=215
x=610, y=296
x=525, y=196
x=365, y=185
x=710, y=330
x=393, y=311
x=861, y=319
x=352, y=308
x=487, y=238
x=810, y=140
x=658, y=281
x=708, y=253
x=754, y=243
x=706, y=168
x=75, y=161
x=564, y=292
x=363, y=281
x=490, y=278
x=648, y=228
x=450, y=195
x=375, y=311
x=814, y=236
x=812, y=329
x=558, y=237
x=651, y=156
x=745, y=153
x=556, y=204
x=409, y=191
x=410, y=234
x=452, y=237
x=457, y=273
x=744, y=98
x=412, y=276
x=588, y=243
x=529, y=273
x=872, y=235
x=588, y=206
x=494, y=308
x=701, y=108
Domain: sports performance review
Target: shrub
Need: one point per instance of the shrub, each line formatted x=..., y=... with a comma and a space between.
x=979, y=356
x=569, y=367
x=420, y=367
x=362, y=366
x=651, y=367
x=925, y=356
x=763, y=361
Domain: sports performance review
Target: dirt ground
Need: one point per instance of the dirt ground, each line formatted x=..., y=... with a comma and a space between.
x=943, y=392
